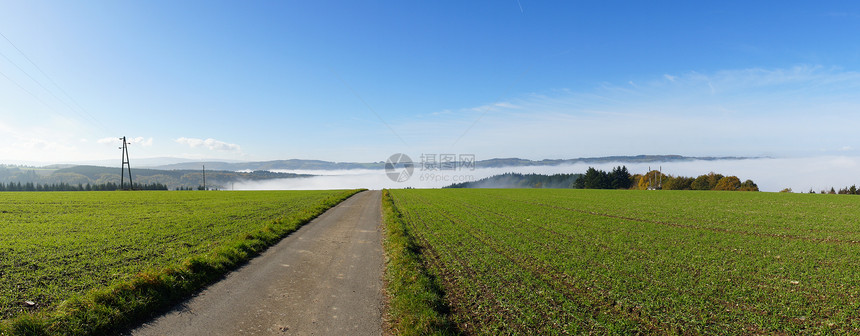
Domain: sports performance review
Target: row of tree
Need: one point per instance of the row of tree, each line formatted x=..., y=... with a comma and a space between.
x=30, y=186
x=852, y=190
x=711, y=181
x=94, y=175
x=618, y=178
x=515, y=180
x=200, y=187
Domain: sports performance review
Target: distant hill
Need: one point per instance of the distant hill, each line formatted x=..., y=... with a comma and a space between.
x=514, y=180
x=296, y=164
x=83, y=175
x=292, y=164
x=515, y=162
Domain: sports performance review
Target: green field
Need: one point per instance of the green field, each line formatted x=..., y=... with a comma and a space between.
x=652, y=262
x=59, y=245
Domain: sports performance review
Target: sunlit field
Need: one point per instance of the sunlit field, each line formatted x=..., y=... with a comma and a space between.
x=607, y=261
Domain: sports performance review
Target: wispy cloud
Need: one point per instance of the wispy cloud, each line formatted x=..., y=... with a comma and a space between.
x=783, y=111
x=145, y=142
x=210, y=144
x=108, y=141
x=30, y=144
x=142, y=141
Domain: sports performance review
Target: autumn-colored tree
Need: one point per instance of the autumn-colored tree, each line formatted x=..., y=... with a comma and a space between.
x=634, y=181
x=713, y=179
x=749, y=185
x=700, y=183
x=651, y=179
x=678, y=183
x=730, y=183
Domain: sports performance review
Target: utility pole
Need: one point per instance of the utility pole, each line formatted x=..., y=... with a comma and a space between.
x=650, y=179
x=204, y=177
x=124, y=165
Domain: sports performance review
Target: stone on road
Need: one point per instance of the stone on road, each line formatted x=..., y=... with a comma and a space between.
x=323, y=279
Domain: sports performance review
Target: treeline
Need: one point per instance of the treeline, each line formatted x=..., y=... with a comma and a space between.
x=30, y=186
x=711, y=181
x=93, y=175
x=515, y=180
x=200, y=187
x=618, y=178
x=852, y=190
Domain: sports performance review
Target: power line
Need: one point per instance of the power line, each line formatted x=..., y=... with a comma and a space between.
x=42, y=72
x=49, y=107
x=39, y=83
x=30, y=93
x=82, y=113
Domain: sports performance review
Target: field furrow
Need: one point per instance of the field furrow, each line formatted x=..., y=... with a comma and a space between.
x=65, y=245
x=620, y=262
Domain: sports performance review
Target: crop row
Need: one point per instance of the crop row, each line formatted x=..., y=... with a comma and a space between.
x=60, y=246
x=574, y=261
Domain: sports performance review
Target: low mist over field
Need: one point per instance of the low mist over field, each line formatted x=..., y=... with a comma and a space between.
x=799, y=174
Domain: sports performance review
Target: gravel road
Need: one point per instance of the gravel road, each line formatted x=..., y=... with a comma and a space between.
x=324, y=279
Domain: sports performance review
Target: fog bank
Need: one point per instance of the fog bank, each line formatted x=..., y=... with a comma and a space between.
x=800, y=174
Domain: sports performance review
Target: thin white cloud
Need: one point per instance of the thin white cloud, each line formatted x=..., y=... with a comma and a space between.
x=506, y=105
x=749, y=112
x=26, y=146
x=670, y=77
x=209, y=143
x=141, y=141
x=492, y=107
x=108, y=141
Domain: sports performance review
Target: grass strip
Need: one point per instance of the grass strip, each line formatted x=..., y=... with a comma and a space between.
x=416, y=304
x=113, y=309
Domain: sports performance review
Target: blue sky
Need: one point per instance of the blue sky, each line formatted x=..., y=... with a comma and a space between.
x=358, y=81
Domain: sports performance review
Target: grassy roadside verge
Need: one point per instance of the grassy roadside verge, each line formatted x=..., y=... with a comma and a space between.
x=415, y=301
x=109, y=310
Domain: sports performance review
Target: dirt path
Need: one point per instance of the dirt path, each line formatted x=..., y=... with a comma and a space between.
x=324, y=279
